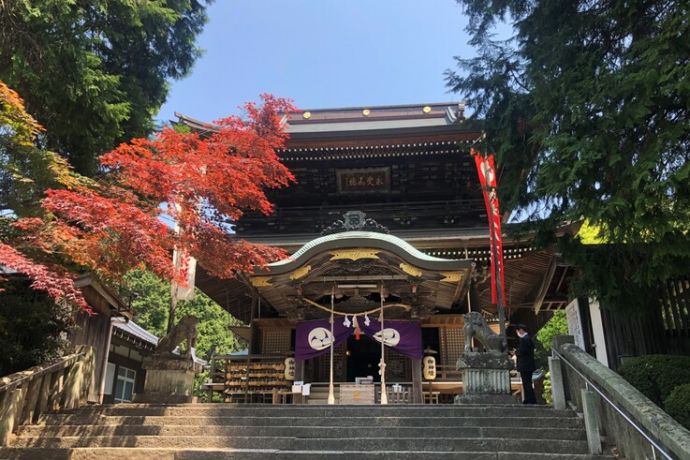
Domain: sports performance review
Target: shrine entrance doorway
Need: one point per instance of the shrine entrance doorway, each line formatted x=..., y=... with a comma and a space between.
x=363, y=357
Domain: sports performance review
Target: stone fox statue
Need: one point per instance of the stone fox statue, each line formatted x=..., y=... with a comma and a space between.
x=475, y=326
x=185, y=329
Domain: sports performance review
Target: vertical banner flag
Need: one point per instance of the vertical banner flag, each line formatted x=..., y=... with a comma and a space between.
x=185, y=266
x=486, y=168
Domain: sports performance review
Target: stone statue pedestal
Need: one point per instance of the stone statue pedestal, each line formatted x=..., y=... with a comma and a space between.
x=169, y=379
x=486, y=378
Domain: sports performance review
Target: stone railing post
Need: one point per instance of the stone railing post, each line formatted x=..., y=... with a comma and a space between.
x=557, y=383
x=79, y=378
x=591, y=416
x=74, y=383
x=31, y=400
x=558, y=341
x=9, y=412
x=557, y=373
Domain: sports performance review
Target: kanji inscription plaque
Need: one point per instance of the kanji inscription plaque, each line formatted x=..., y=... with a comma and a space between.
x=363, y=180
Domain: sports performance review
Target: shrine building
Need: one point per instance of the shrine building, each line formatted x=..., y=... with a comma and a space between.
x=386, y=223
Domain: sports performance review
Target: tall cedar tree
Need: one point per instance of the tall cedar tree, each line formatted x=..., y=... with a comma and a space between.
x=587, y=108
x=94, y=72
x=114, y=225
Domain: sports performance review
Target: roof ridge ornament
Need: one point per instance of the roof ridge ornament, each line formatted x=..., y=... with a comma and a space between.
x=354, y=221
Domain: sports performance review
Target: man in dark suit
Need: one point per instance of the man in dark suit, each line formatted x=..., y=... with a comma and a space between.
x=525, y=363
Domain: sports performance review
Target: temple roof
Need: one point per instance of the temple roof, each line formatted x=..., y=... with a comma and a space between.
x=365, y=118
x=359, y=264
x=375, y=118
x=133, y=329
x=356, y=239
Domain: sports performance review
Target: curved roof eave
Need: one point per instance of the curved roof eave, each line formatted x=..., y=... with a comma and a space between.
x=369, y=240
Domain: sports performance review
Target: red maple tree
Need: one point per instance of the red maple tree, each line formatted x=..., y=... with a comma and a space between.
x=204, y=182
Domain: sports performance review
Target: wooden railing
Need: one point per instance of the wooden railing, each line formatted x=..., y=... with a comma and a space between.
x=61, y=384
x=448, y=372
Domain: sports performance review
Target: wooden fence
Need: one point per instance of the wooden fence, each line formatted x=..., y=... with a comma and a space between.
x=61, y=384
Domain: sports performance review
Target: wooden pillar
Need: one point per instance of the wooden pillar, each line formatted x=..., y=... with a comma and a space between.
x=331, y=389
x=299, y=370
x=382, y=364
x=297, y=398
x=98, y=397
x=417, y=397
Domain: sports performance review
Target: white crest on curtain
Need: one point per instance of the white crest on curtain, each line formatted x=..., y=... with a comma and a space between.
x=391, y=337
x=320, y=338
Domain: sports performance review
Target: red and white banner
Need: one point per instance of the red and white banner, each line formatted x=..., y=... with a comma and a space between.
x=486, y=168
x=184, y=268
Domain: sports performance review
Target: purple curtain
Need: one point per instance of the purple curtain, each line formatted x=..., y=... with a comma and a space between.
x=405, y=337
x=313, y=338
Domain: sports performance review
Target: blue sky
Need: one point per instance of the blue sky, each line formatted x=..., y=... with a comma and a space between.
x=321, y=53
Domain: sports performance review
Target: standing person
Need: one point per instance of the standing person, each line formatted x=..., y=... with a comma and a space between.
x=525, y=363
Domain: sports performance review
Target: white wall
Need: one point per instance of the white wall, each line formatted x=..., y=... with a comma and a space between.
x=598, y=332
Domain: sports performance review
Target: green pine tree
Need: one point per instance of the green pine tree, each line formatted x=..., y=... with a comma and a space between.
x=587, y=109
x=95, y=72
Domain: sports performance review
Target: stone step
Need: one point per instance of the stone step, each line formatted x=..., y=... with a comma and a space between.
x=306, y=431
x=389, y=444
x=326, y=411
x=260, y=454
x=343, y=421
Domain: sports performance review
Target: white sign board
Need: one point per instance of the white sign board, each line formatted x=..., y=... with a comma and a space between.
x=572, y=313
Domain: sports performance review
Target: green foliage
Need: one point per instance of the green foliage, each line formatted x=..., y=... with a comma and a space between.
x=586, y=109
x=677, y=405
x=34, y=336
x=557, y=325
x=656, y=375
x=95, y=72
x=151, y=308
x=26, y=169
x=547, y=394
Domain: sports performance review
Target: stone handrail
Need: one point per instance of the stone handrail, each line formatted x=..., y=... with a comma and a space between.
x=61, y=384
x=612, y=407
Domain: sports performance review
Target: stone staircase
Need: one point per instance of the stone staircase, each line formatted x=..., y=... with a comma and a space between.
x=247, y=432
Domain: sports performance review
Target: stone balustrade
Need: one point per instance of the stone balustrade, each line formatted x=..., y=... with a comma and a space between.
x=62, y=384
x=613, y=410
